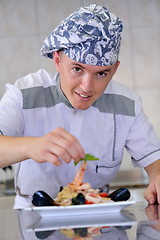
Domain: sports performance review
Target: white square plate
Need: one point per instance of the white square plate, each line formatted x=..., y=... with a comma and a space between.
x=77, y=210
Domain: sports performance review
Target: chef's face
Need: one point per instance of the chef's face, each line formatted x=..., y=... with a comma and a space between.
x=82, y=84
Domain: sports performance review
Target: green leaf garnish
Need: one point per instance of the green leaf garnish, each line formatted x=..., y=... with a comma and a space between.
x=88, y=157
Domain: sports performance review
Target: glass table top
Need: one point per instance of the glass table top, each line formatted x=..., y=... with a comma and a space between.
x=137, y=221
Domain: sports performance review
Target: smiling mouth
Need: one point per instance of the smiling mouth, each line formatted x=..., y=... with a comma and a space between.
x=83, y=96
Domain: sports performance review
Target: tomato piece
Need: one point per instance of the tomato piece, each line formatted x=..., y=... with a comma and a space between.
x=103, y=194
x=94, y=195
x=88, y=202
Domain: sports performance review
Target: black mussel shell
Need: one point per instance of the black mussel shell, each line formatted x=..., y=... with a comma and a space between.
x=41, y=198
x=121, y=194
x=44, y=234
x=79, y=199
x=82, y=232
x=124, y=227
x=60, y=189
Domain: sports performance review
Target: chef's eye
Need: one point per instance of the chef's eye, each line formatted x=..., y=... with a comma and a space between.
x=77, y=69
x=101, y=74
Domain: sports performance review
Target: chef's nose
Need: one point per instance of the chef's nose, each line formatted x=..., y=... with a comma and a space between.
x=87, y=83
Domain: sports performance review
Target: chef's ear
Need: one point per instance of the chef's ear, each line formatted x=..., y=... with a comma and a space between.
x=117, y=65
x=56, y=59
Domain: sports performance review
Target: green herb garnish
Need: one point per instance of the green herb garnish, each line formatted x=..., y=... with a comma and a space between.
x=88, y=157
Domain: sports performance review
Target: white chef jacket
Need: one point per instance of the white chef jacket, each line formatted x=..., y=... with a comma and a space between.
x=35, y=105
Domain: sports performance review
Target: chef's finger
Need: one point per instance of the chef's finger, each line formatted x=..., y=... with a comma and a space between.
x=58, y=153
x=54, y=160
x=150, y=196
x=158, y=193
x=70, y=144
x=151, y=212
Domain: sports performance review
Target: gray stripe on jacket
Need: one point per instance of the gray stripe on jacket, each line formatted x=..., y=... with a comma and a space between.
x=38, y=97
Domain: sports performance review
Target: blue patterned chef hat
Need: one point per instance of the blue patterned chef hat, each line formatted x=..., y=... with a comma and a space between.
x=90, y=35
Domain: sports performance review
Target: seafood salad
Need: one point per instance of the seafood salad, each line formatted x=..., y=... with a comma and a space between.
x=77, y=192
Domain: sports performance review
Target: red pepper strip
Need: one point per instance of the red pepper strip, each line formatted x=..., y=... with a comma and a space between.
x=103, y=194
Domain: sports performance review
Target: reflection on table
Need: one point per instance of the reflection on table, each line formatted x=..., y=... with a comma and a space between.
x=137, y=221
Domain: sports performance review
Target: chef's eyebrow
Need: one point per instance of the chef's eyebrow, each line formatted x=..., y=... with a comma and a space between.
x=79, y=65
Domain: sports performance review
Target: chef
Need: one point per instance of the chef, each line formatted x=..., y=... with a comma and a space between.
x=48, y=121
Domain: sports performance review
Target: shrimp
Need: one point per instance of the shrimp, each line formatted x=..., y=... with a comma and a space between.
x=79, y=176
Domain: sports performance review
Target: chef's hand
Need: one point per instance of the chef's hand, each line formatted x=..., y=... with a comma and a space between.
x=152, y=192
x=56, y=146
x=153, y=214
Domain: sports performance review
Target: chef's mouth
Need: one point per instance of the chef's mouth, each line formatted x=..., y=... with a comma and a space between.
x=84, y=96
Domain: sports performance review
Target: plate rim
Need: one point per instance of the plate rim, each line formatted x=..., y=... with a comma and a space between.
x=83, y=206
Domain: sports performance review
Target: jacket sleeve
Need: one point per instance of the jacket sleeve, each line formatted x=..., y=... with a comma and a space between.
x=11, y=116
x=142, y=142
